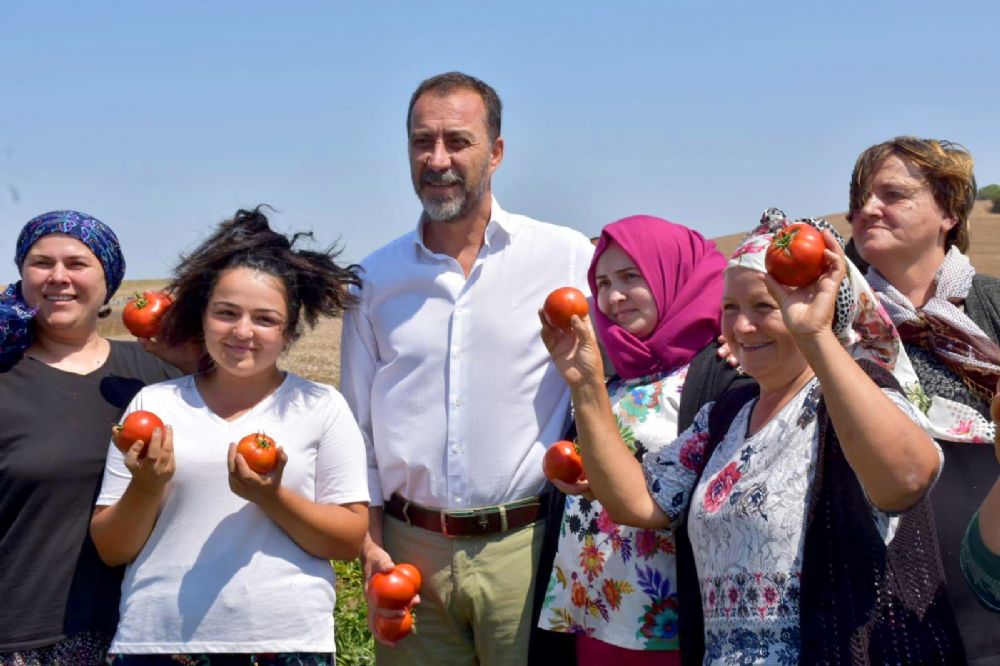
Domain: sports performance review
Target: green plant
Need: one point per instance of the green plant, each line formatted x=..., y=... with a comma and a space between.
x=355, y=646
x=991, y=192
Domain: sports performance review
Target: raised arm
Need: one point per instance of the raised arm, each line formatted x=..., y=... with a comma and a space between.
x=120, y=531
x=895, y=460
x=615, y=476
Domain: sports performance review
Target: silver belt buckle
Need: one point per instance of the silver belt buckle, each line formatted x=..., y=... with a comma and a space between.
x=444, y=524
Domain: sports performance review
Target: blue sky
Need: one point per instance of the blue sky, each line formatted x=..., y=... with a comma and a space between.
x=164, y=118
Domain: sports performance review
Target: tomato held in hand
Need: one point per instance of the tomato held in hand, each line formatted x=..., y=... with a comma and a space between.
x=394, y=628
x=137, y=427
x=562, y=461
x=562, y=304
x=260, y=452
x=412, y=574
x=143, y=314
x=391, y=589
x=795, y=256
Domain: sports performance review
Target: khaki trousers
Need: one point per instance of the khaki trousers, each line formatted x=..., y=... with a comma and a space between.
x=476, y=598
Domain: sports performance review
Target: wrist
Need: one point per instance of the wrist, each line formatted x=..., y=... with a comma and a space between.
x=589, y=390
x=268, y=500
x=369, y=547
x=147, y=490
x=815, y=342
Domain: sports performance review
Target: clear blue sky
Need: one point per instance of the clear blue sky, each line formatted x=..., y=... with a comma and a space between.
x=163, y=118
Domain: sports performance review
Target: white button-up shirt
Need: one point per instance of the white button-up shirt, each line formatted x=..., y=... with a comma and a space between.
x=453, y=389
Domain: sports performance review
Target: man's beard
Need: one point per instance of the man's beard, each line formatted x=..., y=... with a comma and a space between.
x=450, y=207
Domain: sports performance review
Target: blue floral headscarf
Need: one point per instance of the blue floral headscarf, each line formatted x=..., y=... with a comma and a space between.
x=15, y=314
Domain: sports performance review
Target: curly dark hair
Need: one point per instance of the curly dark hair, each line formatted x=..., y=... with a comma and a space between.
x=313, y=281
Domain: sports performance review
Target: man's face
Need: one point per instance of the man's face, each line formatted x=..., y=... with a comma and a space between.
x=451, y=156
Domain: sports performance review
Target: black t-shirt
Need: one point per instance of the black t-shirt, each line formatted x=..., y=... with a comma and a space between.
x=54, y=432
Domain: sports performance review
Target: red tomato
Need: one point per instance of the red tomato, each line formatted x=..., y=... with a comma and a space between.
x=394, y=628
x=143, y=314
x=795, y=256
x=412, y=574
x=391, y=589
x=562, y=304
x=562, y=461
x=137, y=427
x=260, y=452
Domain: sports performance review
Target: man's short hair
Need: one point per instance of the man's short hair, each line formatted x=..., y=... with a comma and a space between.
x=449, y=82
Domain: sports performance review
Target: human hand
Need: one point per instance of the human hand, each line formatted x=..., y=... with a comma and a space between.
x=185, y=357
x=375, y=559
x=581, y=487
x=575, y=353
x=809, y=310
x=248, y=484
x=154, y=470
x=725, y=352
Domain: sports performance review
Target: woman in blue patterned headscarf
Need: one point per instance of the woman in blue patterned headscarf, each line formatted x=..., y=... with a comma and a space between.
x=93, y=237
x=62, y=386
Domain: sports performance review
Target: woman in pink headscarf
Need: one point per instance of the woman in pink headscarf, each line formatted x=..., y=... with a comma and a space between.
x=657, y=288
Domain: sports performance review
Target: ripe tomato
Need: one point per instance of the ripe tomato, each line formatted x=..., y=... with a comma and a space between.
x=391, y=589
x=137, y=426
x=562, y=461
x=562, y=304
x=795, y=256
x=412, y=574
x=143, y=314
x=394, y=628
x=260, y=452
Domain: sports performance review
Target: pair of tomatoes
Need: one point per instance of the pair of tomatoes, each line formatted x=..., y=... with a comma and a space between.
x=394, y=590
x=795, y=256
x=143, y=315
x=563, y=462
x=258, y=449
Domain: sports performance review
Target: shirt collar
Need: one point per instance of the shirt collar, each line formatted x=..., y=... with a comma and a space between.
x=500, y=220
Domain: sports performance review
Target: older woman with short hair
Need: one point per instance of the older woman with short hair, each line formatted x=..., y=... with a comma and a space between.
x=910, y=201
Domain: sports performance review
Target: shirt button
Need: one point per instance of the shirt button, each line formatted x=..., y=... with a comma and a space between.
x=456, y=449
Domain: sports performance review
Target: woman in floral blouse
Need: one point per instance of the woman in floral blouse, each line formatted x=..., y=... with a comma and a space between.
x=792, y=501
x=657, y=287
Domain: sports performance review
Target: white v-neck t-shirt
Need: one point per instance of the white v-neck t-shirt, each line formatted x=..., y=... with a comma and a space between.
x=218, y=575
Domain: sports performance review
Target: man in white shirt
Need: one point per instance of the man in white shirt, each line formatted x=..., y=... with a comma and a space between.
x=454, y=391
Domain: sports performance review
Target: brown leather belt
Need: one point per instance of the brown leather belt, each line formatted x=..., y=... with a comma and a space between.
x=468, y=522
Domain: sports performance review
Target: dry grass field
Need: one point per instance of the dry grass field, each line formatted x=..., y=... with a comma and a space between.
x=317, y=354
x=984, y=253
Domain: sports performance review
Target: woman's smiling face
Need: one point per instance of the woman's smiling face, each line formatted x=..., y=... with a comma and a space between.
x=752, y=324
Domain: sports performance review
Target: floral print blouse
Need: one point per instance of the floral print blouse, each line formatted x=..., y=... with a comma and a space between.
x=747, y=524
x=611, y=582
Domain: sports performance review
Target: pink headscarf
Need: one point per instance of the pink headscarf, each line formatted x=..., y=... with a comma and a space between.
x=684, y=273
